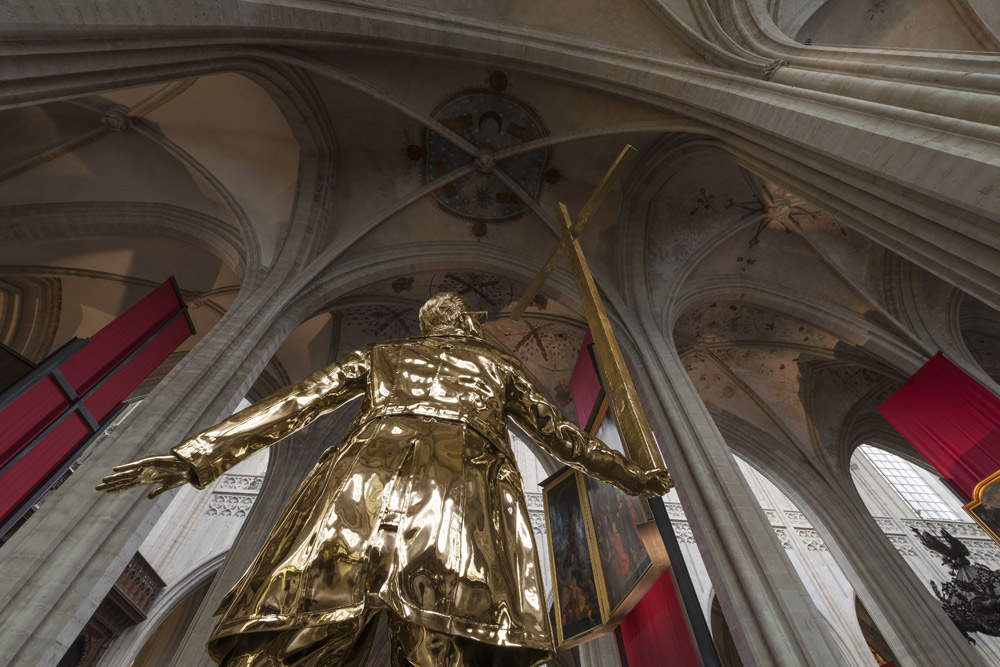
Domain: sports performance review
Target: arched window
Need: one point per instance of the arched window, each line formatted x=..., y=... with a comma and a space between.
x=910, y=483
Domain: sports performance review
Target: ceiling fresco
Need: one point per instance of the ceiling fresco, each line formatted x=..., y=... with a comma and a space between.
x=493, y=122
x=217, y=155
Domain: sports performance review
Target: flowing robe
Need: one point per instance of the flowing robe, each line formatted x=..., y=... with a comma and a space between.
x=428, y=462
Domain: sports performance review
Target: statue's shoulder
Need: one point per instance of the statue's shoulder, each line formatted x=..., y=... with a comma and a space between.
x=504, y=357
x=512, y=362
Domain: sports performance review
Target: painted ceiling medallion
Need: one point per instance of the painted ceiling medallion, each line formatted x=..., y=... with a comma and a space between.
x=492, y=122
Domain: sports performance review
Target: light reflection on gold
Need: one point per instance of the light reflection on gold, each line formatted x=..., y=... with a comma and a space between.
x=419, y=512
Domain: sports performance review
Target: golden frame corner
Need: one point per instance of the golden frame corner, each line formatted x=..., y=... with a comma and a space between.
x=989, y=485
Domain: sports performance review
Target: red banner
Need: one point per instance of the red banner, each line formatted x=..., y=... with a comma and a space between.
x=658, y=628
x=585, y=385
x=25, y=418
x=121, y=336
x=50, y=415
x=951, y=419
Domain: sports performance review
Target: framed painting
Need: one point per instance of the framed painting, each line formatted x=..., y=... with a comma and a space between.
x=985, y=505
x=627, y=569
x=579, y=607
x=600, y=564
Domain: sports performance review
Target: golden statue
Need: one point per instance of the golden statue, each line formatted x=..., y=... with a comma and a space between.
x=419, y=513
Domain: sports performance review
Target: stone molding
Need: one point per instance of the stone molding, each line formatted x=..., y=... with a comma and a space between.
x=897, y=531
x=234, y=495
x=740, y=147
x=536, y=512
x=230, y=504
x=124, y=218
x=239, y=483
x=29, y=313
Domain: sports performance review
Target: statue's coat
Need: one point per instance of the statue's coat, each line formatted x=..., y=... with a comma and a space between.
x=420, y=510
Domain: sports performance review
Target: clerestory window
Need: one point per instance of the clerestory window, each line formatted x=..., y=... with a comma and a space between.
x=905, y=478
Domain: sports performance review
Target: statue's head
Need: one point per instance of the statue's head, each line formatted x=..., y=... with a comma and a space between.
x=448, y=313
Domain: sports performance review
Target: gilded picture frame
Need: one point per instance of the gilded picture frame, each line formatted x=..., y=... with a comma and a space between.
x=619, y=563
x=581, y=607
x=628, y=568
x=984, y=507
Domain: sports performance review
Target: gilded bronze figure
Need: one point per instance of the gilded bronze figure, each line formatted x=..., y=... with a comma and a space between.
x=419, y=513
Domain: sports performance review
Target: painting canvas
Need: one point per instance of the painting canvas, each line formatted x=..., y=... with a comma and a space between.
x=616, y=515
x=578, y=607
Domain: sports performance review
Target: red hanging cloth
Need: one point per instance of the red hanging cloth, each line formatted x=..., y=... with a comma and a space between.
x=951, y=419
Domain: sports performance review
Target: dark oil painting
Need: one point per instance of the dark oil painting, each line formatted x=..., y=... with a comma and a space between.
x=623, y=557
x=578, y=603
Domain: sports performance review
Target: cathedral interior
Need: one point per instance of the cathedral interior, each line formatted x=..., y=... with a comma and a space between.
x=811, y=212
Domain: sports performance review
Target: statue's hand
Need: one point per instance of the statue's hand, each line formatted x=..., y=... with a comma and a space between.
x=656, y=483
x=168, y=471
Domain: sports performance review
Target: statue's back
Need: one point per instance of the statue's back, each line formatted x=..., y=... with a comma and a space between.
x=446, y=377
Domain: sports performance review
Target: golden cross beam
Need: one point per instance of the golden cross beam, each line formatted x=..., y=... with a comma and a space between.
x=618, y=384
x=588, y=210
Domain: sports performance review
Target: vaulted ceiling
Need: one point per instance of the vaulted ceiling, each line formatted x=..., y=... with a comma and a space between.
x=792, y=327
x=787, y=321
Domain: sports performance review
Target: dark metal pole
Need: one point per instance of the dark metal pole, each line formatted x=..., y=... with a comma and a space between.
x=689, y=598
x=40, y=371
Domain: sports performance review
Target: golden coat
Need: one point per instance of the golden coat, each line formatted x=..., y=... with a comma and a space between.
x=427, y=461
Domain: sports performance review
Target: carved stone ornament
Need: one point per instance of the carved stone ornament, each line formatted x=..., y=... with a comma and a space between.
x=972, y=597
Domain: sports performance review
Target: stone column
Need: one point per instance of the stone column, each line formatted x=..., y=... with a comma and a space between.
x=775, y=623
x=61, y=564
x=290, y=461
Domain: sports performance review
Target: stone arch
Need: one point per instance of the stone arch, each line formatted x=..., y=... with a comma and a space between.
x=339, y=280
x=876, y=642
x=79, y=284
x=296, y=98
x=803, y=531
x=29, y=313
x=909, y=496
x=351, y=274
x=979, y=332
x=837, y=512
x=664, y=162
x=886, y=348
x=758, y=147
x=960, y=27
x=864, y=425
x=72, y=220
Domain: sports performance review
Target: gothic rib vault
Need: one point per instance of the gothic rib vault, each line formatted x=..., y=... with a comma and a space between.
x=805, y=224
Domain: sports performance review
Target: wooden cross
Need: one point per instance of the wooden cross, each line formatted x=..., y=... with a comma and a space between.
x=619, y=387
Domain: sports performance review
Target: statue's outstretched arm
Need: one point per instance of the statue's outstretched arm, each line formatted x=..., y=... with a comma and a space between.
x=577, y=449
x=202, y=458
